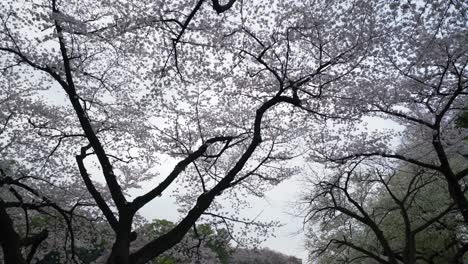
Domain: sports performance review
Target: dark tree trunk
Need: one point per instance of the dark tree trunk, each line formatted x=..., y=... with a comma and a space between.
x=9, y=239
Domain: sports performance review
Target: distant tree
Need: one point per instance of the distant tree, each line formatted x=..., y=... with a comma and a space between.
x=380, y=214
x=417, y=78
x=261, y=256
x=202, y=244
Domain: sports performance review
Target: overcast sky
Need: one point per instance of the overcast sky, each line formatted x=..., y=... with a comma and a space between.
x=276, y=205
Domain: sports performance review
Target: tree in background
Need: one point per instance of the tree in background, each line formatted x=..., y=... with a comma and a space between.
x=202, y=244
x=261, y=256
x=374, y=212
x=421, y=87
x=417, y=78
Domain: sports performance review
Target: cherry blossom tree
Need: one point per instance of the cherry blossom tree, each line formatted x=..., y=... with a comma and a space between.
x=99, y=94
x=261, y=256
x=372, y=211
x=415, y=77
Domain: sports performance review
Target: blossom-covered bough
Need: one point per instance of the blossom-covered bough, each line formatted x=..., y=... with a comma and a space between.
x=99, y=94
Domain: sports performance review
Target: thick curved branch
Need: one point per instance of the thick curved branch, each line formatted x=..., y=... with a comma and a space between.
x=168, y=240
x=222, y=8
x=180, y=167
x=101, y=203
x=386, y=155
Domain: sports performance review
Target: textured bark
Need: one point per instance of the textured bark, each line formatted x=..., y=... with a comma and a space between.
x=9, y=239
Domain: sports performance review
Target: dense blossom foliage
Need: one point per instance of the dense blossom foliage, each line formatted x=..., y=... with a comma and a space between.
x=398, y=195
x=97, y=96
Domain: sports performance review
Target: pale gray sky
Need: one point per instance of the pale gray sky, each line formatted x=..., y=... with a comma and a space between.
x=276, y=205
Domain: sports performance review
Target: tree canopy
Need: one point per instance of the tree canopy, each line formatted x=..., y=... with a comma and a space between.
x=97, y=96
